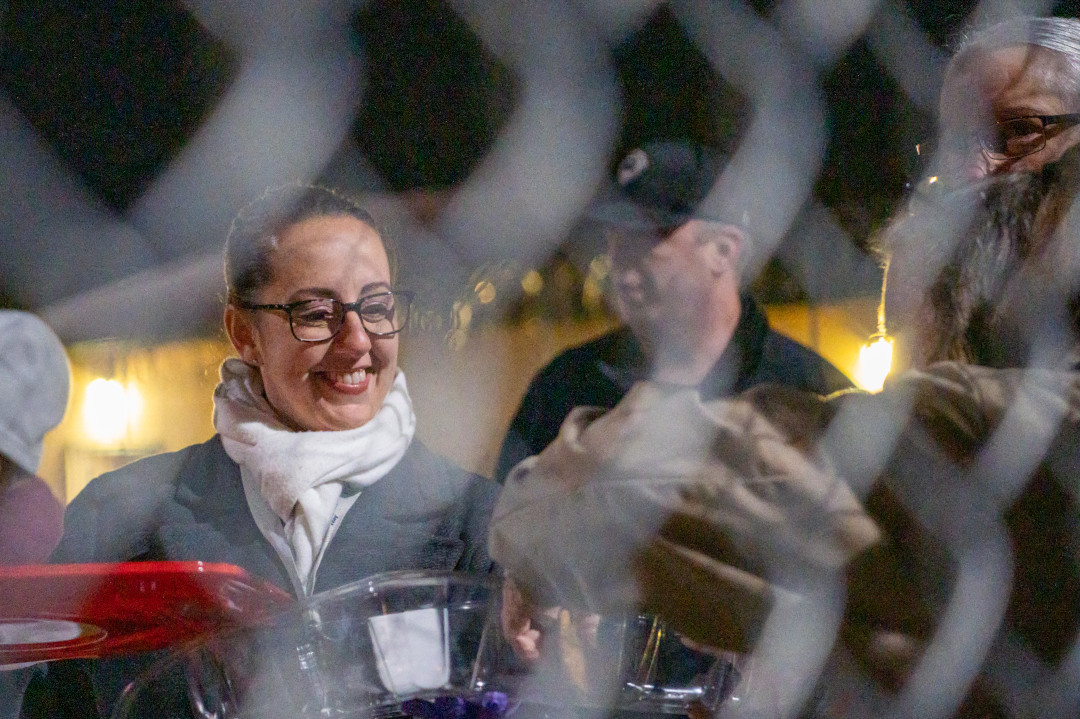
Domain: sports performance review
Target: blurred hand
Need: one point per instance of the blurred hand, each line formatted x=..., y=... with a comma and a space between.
x=697, y=710
x=523, y=623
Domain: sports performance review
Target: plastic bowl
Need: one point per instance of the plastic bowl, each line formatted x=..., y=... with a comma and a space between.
x=429, y=645
x=359, y=650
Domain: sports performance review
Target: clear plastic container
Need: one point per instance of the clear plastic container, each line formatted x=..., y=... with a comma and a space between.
x=358, y=650
x=430, y=645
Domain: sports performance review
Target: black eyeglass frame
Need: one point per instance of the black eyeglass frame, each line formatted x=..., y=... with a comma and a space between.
x=346, y=308
x=929, y=175
x=1072, y=118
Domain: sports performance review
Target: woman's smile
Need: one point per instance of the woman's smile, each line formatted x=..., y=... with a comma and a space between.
x=349, y=383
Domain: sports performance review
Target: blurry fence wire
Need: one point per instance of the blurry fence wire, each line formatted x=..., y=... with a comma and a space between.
x=288, y=113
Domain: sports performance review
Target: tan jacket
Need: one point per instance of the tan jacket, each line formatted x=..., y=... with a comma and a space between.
x=953, y=489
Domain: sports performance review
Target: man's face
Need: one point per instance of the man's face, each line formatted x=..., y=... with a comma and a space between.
x=661, y=278
x=989, y=87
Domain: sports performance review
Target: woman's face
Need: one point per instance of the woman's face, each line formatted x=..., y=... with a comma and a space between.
x=339, y=383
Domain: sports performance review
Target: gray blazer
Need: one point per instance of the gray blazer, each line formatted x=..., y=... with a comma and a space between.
x=190, y=505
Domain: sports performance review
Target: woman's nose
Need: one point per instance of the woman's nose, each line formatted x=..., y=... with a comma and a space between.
x=352, y=334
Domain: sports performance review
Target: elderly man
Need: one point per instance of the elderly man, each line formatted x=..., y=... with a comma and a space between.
x=1011, y=99
x=914, y=552
x=677, y=275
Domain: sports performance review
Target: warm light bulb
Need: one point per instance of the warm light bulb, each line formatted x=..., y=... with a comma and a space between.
x=874, y=363
x=463, y=315
x=110, y=409
x=485, y=292
x=532, y=282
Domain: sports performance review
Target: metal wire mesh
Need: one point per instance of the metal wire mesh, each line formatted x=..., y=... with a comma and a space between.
x=289, y=111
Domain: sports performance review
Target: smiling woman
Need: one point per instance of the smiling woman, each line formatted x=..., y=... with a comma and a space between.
x=321, y=365
x=314, y=478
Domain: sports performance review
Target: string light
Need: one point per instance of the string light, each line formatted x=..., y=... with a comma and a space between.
x=875, y=357
x=110, y=410
x=532, y=282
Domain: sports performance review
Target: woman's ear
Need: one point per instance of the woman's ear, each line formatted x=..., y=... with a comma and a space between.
x=242, y=334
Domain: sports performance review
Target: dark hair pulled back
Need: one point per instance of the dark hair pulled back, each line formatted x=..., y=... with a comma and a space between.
x=254, y=233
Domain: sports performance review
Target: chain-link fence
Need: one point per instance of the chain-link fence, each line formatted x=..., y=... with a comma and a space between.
x=478, y=133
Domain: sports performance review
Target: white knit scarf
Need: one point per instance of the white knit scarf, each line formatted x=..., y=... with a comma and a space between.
x=301, y=475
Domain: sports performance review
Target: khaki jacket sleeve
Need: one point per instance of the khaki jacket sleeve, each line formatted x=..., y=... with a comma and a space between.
x=669, y=502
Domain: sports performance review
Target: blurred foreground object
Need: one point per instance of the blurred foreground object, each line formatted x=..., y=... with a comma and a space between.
x=910, y=553
x=359, y=650
x=423, y=644
x=64, y=611
x=34, y=383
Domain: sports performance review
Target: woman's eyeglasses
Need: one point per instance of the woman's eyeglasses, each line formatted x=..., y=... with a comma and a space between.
x=382, y=314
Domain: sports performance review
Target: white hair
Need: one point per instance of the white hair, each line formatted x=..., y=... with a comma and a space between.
x=1057, y=34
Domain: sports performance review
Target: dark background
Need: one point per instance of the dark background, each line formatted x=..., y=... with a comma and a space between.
x=116, y=89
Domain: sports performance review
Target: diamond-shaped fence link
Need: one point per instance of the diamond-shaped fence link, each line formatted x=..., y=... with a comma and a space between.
x=300, y=76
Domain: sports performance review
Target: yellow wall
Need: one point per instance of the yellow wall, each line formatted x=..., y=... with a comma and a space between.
x=835, y=331
x=464, y=396
x=176, y=382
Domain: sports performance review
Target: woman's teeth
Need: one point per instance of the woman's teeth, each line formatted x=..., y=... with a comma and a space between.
x=350, y=378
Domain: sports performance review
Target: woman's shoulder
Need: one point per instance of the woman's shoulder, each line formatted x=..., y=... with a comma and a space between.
x=154, y=472
x=440, y=480
x=110, y=518
x=137, y=490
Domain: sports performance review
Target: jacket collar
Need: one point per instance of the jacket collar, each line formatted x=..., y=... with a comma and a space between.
x=624, y=361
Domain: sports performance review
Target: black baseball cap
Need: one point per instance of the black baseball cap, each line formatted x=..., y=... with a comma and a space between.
x=660, y=184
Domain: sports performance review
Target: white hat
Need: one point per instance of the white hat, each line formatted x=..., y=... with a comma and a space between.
x=34, y=383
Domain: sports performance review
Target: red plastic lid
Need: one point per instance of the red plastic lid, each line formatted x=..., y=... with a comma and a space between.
x=65, y=611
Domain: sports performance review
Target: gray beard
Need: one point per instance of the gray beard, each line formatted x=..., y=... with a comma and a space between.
x=1007, y=252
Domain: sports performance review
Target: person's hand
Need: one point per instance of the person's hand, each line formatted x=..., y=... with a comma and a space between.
x=523, y=623
x=697, y=710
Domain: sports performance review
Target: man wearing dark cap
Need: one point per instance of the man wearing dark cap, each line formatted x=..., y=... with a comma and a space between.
x=676, y=270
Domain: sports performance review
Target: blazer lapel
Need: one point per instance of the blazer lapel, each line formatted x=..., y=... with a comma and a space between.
x=209, y=519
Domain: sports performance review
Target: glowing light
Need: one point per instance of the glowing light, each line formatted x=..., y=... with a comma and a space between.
x=874, y=363
x=592, y=293
x=485, y=292
x=600, y=266
x=110, y=410
x=532, y=282
x=463, y=314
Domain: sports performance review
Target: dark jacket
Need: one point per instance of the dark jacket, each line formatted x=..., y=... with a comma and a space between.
x=190, y=505
x=599, y=373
